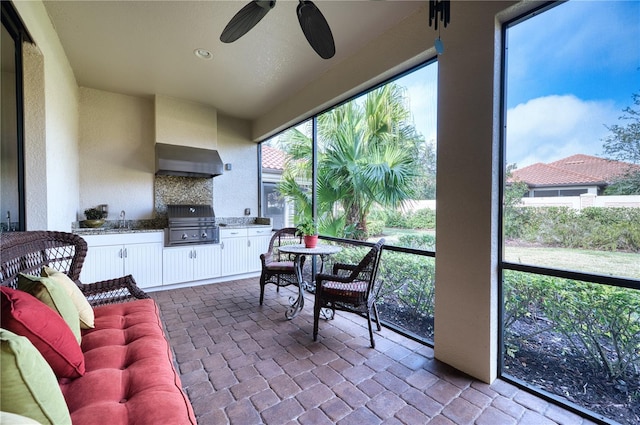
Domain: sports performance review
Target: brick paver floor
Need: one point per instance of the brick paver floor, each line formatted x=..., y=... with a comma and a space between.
x=242, y=363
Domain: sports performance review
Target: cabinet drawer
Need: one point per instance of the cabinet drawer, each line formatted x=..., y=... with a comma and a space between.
x=233, y=233
x=259, y=231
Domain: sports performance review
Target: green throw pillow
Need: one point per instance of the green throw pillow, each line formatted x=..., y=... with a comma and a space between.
x=29, y=387
x=12, y=418
x=55, y=296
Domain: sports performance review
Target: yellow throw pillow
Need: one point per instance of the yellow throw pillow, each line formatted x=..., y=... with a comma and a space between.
x=29, y=387
x=87, y=318
x=54, y=296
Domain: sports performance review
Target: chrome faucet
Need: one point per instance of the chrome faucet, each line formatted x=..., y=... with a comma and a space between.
x=123, y=222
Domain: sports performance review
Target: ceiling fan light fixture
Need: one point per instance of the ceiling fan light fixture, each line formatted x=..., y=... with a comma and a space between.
x=203, y=54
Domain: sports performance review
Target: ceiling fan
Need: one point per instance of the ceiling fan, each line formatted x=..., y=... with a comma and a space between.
x=313, y=24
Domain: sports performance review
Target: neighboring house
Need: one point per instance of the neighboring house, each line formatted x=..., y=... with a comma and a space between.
x=571, y=176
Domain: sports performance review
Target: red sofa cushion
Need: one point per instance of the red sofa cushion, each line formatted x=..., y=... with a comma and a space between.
x=25, y=315
x=129, y=377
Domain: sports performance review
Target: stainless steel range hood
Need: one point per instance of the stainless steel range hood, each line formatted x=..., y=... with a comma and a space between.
x=173, y=160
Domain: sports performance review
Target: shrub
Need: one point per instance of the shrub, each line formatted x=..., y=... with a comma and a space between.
x=408, y=282
x=424, y=218
x=418, y=241
x=608, y=229
x=601, y=323
x=375, y=228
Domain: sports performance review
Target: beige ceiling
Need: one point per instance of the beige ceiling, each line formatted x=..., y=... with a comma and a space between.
x=146, y=47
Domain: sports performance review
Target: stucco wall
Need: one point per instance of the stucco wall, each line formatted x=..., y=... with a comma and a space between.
x=236, y=189
x=117, y=151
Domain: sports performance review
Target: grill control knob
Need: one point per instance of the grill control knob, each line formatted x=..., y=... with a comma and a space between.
x=203, y=235
x=184, y=236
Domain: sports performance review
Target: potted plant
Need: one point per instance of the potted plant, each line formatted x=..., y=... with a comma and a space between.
x=95, y=217
x=308, y=229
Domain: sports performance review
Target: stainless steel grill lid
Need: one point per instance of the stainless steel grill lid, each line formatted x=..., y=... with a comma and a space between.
x=190, y=212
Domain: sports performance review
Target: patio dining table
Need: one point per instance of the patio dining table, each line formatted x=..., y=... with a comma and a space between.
x=300, y=251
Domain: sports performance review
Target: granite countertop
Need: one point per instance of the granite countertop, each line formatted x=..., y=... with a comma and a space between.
x=242, y=226
x=111, y=231
x=143, y=227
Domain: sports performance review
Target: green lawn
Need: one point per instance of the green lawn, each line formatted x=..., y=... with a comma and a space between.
x=602, y=262
x=621, y=264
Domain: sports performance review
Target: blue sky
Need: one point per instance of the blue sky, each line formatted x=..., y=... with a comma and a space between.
x=571, y=71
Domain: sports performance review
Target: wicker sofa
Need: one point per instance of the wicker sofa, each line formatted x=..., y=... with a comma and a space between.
x=128, y=372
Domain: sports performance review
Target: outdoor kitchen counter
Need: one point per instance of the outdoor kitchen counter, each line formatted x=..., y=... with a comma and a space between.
x=243, y=226
x=99, y=231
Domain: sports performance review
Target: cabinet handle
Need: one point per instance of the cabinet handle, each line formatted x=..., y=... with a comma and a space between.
x=221, y=245
x=121, y=253
x=195, y=254
x=190, y=254
x=125, y=253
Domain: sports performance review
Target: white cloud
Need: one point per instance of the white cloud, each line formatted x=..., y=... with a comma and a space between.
x=549, y=128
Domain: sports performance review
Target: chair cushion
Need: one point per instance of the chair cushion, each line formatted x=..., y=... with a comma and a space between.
x=85, y=311
x=129, y=376
x=55, y=297
x=25, y=315
x=281, y=266
x=353, y=292
x=29, y=386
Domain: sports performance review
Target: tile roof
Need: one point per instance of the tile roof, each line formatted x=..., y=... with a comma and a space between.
x=272, y=158
x=574, y=170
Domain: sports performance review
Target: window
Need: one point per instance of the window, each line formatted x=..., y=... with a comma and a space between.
x=571, y=271
x=286, y=175
x=12, y=201
x=367, y=169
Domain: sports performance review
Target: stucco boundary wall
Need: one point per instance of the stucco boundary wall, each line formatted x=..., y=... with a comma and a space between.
x=584, y=201
x=575, y=202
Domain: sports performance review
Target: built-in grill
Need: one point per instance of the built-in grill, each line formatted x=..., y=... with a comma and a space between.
x=191, y=224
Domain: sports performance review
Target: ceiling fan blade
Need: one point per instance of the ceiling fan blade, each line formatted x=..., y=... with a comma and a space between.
x=245, y=19
x=316, y=29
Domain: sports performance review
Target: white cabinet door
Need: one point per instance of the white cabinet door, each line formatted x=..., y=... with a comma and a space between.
x=177, y=265
x=258, y=243
x=185, y=264
x=102, y=263
x=144, y=262
x=206, y=262
x=114, y=255
x=234, y=255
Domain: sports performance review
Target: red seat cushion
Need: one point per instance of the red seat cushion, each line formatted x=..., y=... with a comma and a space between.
x=129, y=375
x=353, y=292
x=281, y=266
x=25, y=315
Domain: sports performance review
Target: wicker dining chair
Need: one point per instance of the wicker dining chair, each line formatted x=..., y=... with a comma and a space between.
x=350, y=288
x=278, y=268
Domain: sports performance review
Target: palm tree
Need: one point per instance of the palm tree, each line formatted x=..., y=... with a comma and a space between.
x=365, y=157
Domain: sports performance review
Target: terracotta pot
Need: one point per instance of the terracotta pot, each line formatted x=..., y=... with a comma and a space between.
x=310, y=241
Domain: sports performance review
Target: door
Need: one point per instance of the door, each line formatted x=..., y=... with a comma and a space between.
x=258, y=243
x=206, y=262
x=234, y=255
x=144, y=263
x=177, y=265
x=103, y=263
